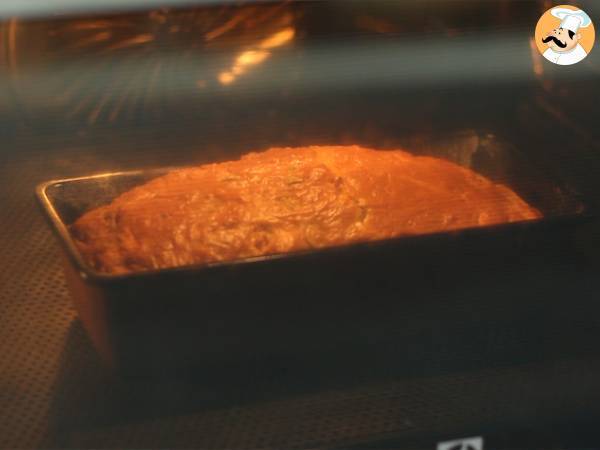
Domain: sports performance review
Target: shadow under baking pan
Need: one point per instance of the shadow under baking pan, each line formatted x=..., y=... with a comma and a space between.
x=482, y=328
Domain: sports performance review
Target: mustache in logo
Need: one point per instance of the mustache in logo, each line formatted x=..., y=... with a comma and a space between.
x=556, y=41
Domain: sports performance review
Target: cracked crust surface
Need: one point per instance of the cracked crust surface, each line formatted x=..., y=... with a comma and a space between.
x=288, y=199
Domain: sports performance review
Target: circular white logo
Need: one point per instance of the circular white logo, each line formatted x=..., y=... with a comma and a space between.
x=565, y=35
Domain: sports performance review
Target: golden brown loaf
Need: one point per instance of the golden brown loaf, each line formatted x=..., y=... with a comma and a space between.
x=285, y=200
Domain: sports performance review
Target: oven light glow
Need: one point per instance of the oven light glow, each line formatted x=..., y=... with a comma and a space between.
x=278, y=39
x=256, y=55
x=226, y=78
x=251, y=58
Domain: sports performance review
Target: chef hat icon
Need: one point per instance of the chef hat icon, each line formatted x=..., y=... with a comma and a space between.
x=570, y=19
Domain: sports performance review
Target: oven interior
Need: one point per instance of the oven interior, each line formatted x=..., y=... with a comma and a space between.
x=500, y=348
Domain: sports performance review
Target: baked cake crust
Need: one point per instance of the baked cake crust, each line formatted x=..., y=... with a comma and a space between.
x=285, y=200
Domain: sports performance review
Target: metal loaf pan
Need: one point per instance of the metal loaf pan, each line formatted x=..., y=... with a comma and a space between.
x=331, y=300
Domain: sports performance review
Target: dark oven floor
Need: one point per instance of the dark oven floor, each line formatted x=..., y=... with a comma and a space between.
x=55, y=393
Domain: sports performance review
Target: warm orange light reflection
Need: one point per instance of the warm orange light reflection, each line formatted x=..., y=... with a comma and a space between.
x=536, y=59
x=226, y=78
x=99, y=37
x=278, y=39
x=136, y=40
x=255, y=55
x=251, y=57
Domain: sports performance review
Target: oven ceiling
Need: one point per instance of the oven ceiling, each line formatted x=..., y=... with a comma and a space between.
x=36, y=8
